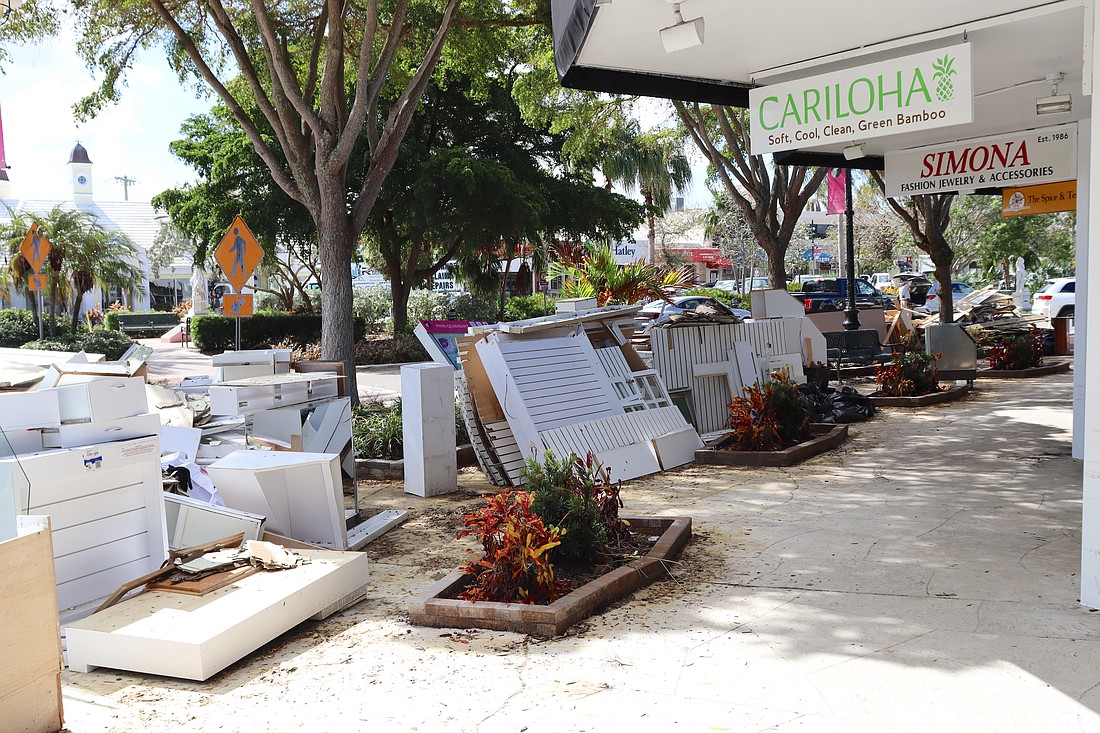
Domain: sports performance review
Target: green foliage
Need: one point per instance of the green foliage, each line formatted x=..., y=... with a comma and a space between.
x=109, y=343
x=769, y=417
x=574, y=495
x=730, y=298
x=468, y=307
x=515, y=566
x=426, y=305
x=1017, y=351
x=378, y=434
x=373, y=305
x=18, y=326
x=794, y=287
x=217, y=333
x=593, y=272
x=527, y=306
x=912, y=373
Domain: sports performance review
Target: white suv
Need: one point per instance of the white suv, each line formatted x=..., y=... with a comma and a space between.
x=1056, y=299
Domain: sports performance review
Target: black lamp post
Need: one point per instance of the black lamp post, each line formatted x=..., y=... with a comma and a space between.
x=851, y=316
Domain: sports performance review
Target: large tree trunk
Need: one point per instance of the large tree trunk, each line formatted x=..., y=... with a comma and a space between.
x=77, y=300
x=940, y=253
x=400, y=291
x=336, y=240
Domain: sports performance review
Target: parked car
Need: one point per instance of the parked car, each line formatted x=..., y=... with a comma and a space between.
x=879, y=279
x=831, y=294
x=659, y=311
x=959, y=290
x=1056, y=299
x=749, y=283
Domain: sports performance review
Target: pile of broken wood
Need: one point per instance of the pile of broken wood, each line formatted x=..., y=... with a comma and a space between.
x=988, y=308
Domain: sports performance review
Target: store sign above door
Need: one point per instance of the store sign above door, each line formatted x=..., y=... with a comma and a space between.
x=918, y=92
x=1024, y=158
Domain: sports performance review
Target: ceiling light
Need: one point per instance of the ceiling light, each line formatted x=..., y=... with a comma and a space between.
x=1056, y=103
x=854, y=152
x=682, y=34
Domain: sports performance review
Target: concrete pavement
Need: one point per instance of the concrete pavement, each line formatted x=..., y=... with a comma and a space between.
x=922, y=578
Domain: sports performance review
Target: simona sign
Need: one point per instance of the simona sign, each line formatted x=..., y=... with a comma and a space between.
x=918, y=92
x=1024, y=158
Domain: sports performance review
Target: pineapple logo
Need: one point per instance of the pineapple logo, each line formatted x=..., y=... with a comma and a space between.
x=944, y=68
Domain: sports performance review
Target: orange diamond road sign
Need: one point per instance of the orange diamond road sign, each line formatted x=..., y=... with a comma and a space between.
x=237, y=306
x=35, y=248
x=238, y=253
x=36, y=282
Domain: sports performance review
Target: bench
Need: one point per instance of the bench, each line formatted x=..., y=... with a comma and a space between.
x=860, y=346
x=156, y=321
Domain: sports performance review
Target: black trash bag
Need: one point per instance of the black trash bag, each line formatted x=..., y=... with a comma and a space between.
x=819, y=401
x=850, y=406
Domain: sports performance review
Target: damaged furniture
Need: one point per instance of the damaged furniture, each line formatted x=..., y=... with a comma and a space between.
x=568, y=383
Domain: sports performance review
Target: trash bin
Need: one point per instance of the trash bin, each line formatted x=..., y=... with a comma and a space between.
x=1061, y=335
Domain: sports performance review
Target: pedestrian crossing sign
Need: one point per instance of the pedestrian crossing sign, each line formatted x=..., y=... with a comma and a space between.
x=238, y=253
x=35, y=248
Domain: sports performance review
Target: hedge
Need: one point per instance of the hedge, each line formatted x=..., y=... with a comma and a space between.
x=19, y=326
x=218, y=333
x=110, y=322
x=109, y=343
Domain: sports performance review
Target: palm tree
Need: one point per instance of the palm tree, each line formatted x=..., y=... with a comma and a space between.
x=84, y=255
x=595, y=274
x=652, y=163
x=14, y=276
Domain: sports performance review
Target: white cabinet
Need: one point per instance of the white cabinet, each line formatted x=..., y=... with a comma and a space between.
x=102, y=398
x=246, y=396
x=106, y=509
x=299, y=493
x=73, y=435
x=22, y=417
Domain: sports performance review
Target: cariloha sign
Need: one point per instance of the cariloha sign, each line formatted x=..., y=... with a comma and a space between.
x=1004, y=161
x=918, y=92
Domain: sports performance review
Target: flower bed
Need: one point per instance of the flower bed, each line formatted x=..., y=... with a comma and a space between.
x=1038, y=371
x=825, y=438
x=439, y=606
x=387, y=470
x=932, y=398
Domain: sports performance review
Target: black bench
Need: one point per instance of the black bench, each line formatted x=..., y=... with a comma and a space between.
x=156, y=321
x=860, y=346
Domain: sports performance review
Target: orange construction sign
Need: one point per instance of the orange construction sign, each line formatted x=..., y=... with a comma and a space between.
x=237, y=306
x=36, y=282
x=35, y=248
x=238, y=253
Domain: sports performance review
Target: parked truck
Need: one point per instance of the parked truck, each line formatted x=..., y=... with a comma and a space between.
x=831, y=294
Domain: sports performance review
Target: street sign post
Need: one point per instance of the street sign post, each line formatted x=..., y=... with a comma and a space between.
x=238, y=254
x=35, y=249
x=237, y=306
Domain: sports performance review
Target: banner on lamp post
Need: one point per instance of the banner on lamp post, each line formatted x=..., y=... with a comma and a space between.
x=1046, y=155
x=907, y=94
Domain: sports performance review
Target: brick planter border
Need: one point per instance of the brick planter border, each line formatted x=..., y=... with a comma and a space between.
x=1040, y=371
x=377, y=468
x=828, y=437
x=437, y=607
x=934, y=398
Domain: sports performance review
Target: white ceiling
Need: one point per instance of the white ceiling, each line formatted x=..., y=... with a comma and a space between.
x=1013, y=41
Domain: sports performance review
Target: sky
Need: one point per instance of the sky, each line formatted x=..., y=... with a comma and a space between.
x=37, y=93
x=129, y=139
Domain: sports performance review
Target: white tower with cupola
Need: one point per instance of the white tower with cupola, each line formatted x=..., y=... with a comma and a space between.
x=80, y=172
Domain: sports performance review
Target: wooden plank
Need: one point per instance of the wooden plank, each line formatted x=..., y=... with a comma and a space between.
x=203, y=585
x=30, y=641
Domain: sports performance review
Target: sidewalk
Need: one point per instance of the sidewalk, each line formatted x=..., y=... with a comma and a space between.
x=922, y=578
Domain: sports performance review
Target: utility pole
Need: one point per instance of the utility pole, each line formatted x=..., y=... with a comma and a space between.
x=125, y=181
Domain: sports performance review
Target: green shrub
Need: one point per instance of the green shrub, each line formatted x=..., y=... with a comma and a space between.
x=468, y=307
x=111, y=344
x=402, y=348
x=730, y=298
x=527, y=306
x=17, y=327
x=217, y=333
x=110, y=322
x=378, y=433
x=426, y=305
x=373, y=305
x=573, y=495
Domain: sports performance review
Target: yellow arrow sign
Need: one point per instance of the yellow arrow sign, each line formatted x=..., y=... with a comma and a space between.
x=237, y=306
x=238, y=253
x=35, y=248
x=36, y=282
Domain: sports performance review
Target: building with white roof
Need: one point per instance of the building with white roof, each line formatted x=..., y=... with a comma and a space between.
x=138, y=220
